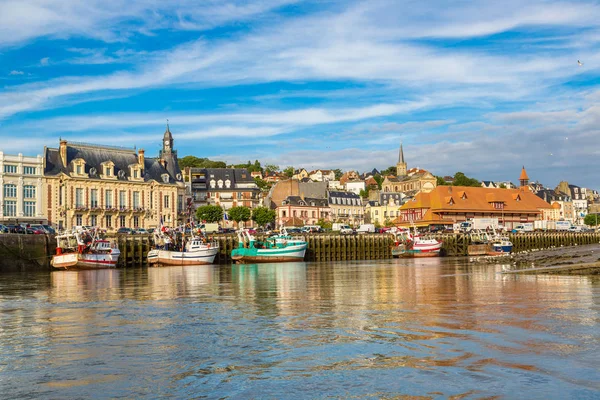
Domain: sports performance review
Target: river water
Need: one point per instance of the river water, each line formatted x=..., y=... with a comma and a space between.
x=436, y=328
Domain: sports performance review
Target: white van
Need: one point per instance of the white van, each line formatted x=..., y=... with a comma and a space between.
x=366, y=228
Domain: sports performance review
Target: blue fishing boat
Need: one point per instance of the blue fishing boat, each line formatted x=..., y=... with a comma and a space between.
x=278, y=248
x=501, y=245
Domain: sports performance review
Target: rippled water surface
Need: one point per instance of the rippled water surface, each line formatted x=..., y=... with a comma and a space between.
x=434, y=328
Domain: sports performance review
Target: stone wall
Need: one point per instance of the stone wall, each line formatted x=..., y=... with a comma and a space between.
x=26, y=251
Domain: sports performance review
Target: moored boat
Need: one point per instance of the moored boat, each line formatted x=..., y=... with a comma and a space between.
x=280, y=248
x=407, y=244
x=82, y=248
x=501, y=245
x=169, y=250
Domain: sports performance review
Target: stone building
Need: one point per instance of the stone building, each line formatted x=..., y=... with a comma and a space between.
x=22, y=196
x=112, y=187
x=410, y=181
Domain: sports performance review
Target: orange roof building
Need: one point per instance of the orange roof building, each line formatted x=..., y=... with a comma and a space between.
x=452, y=204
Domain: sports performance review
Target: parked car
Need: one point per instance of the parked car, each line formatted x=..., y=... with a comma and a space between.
x=39, y=227
x=15, y=228
x=227, y=230
x=49, y=229
x=125, y=231
x=4, y=229
x=252, y=231
x=34, y=231
x=151, y=230
x=142, y=231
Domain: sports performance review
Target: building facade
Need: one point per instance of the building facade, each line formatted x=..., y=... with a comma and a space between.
x=451, y=204
x=385, y=209
x=321, y=175
x=300, y=211
x=224, y=187
x=346, y=207
x=22, y=196
x=111, y=187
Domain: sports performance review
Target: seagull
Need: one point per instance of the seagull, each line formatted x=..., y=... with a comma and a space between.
x=579, y=63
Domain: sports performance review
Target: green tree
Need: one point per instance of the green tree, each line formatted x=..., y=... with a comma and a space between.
x=271, y=168
x=502, y=186
x=591, y=219
x=338, y=174
x=379, y=179
x=389, y=171
x=326, y=225
x=209, y=213
x=262, y=184
x=239, y=213
x=461, y=179
x=364, y=193
x=195, y=162
x=263, y=216
x=289, y=171
x=388, y=223
x=441, y=181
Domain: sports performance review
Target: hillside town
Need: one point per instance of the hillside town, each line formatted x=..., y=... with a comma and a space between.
x=75, y=184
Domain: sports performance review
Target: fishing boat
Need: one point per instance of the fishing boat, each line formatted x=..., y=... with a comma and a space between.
x=500, y=245
x=280, y=248
x=170, y=248
x=82, y=248
x=407, y=244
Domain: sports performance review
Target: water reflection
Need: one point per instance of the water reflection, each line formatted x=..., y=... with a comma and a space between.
x=432, y=327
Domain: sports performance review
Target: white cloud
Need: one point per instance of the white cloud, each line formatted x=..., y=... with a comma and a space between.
x=15, y=72
x=44, y=61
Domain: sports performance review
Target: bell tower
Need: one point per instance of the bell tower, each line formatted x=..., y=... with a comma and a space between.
x=401, y=165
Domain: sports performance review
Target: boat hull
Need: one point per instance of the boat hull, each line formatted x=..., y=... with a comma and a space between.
x=167, y=257
x=432, y=250
x=502, y=248
x=252, y=255
x=84, y=261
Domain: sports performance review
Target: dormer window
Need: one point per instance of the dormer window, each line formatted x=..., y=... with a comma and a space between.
x=165, y=178
x=227, y=183
x=220, y=183
x=212, y=183
x=108, y=170
x=135, y=172
x=79, y=167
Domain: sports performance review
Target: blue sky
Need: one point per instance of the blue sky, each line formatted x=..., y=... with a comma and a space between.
x=479, y=87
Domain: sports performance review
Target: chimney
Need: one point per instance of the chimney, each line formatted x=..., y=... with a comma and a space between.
x=141, y=159
x=63, y=152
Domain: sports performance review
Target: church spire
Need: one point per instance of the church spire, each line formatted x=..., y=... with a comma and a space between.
x=401, y=165
x=401, y=154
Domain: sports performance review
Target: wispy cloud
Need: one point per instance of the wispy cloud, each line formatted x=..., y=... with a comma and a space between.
x=15, y=72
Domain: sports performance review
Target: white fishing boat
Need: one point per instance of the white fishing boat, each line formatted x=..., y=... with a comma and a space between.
x=278, y=248
x=407, y=244
x=171, y=250
x=82, y=248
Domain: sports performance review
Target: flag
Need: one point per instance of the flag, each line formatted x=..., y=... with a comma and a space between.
x=162, y=226
x=225, y=217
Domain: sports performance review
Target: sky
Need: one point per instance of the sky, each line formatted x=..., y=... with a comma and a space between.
x=479, y=87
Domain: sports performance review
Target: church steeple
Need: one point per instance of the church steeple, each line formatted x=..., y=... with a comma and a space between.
x=401, y=165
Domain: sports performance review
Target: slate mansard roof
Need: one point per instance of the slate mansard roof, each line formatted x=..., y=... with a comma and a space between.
x=236, y=176
x=95, y=155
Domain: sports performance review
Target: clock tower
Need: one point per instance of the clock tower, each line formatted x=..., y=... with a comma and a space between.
x=167, y=141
